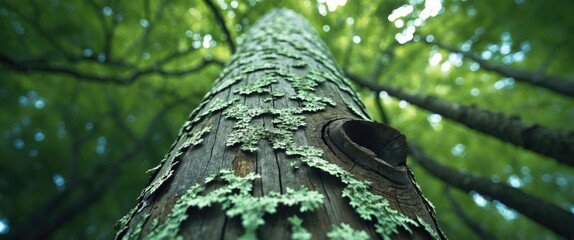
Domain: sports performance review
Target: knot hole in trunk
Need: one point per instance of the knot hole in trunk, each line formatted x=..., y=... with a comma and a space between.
x=385, y=142
x=371, y=145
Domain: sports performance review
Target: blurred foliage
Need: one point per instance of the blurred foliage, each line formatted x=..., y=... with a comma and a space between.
x=93, y=94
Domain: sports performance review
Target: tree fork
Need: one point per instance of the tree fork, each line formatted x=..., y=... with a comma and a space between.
x=281, y=147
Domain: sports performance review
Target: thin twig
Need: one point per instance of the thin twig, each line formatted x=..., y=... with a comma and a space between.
x=221, y=21
x=44, y=66
x=112, y=167
x=378, y=103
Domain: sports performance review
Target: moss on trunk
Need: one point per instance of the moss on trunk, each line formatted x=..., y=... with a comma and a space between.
x=256, y=158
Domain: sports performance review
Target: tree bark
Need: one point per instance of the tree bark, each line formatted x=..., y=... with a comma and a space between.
x=281, y=148
x=544, y=213
x=554, y=143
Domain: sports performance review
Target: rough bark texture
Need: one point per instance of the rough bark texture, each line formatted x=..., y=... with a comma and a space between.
x=544, y=213
x=554, y=143
x=282, y=148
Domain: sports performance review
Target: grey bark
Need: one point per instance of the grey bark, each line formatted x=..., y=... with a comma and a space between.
x=279, y=101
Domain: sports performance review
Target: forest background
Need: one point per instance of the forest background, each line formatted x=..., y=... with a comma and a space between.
x=93, y=93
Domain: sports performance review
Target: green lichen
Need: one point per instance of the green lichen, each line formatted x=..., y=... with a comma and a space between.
x=155, y=185
x=299, y=64
x=255, y=68
x=355, y=110
x=298, y=232
x=153, y=171
x=235, y=195
x=224, y=85
x=261, y=85
x=248, y=135
x=235, y=199
x=345, y=232
x=290, y=122
x=193, y=139
x=189, y=123
x=123, y=224
x=352, y=100
x=284, y=52
x=196, y=138
x=277, y=93
x=368, y=205
x=434, y=234
x=312, y=102
x=178, y=214
x=136, y=232
x=252, y=209
x=216, y=105
x=280, y=138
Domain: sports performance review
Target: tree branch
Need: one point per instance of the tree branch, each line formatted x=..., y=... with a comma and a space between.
x=379, y=66
x=45, y=66
x=459, y=211
x=378, y=104
x=549, y=142
x=108, y=30
x=51, y=222
x=544, y=213
x=221, y=21
x=557, y=84
x=35, y=23
x=349, y=49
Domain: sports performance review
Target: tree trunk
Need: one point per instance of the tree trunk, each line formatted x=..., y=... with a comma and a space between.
x=281, y=148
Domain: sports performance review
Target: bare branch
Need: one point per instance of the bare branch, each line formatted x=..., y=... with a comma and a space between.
x=557, y=84
x=221, y=21
x=108, y=30
x=378, y=103
x=459, y=211
x=45, y=66
x=541, y=211
x=387, y=52
x=34, y=21
x=54, y=219
x=550, y=142
x=349, y=49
